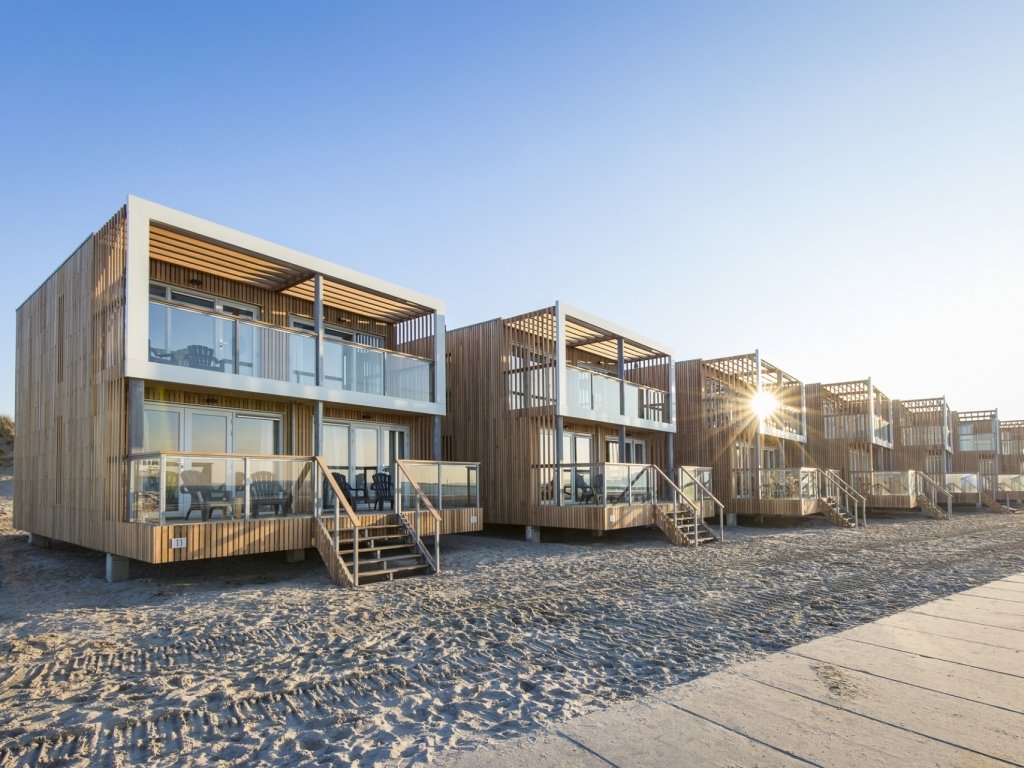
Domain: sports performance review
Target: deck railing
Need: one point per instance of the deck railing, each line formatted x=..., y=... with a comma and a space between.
x=884, y=483
x=598, y=392
x=181, y=487
x=594, y=484
x=833, y=486
x=695, y=485
x=445, y=484
x=793, y=483
x=926, y=486
x=410, y=514
x=208, y=341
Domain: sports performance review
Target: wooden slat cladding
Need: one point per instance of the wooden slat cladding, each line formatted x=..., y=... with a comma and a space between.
x=846, y=446
x=983, y=424
x=1011, y=447
x=71, y=397
x=919, y=436
x=501, y=405
x=229, y=538
x=716, y=428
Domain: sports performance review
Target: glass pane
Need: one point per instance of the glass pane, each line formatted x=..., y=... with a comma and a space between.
x=336, y=447
x=582, y=449
x=255, y=436
x=365, y=449
x=161, y=431
x=209, y=433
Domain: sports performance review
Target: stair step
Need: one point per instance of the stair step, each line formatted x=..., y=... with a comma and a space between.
x=389, y=572
x=366, y=561
x=375, y=548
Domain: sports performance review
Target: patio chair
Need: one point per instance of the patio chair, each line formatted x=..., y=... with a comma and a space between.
x=584, y=492
x=382, y=485
x=202, y=357
x=329, y=495
x=360, y=494
x=202, y=495
x=266, y=491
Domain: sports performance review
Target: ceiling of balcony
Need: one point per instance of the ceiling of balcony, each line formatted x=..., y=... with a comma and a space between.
x=584, y=336
x=221, y=260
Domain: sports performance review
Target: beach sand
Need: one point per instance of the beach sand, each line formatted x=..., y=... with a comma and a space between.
x=253, y=661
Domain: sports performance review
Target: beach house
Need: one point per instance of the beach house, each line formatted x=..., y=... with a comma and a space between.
x=747, y=420
x=573, y=420
x=977, y=444
x=1010, y=486
x=188, y=391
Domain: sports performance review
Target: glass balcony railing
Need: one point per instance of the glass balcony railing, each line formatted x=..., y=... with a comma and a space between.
x=592, y=391
x=602, y=484
x=687, y=478
x=961, y=482
x=169, y=488
x=1010, y=483
x=889, y=483
x=210, y=342
x=447, y=484
x=795, y=483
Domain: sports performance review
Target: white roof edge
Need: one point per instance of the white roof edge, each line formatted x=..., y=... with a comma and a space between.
x=172, y=217
x=618, y=330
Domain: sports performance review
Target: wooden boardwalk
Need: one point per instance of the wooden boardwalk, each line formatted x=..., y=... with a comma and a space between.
x=941, y=684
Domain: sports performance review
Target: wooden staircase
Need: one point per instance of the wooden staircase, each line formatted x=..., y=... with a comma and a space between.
x=684, y=523
x=931, y=510
x=996, y=506
x=386, y=551
x=836, y=513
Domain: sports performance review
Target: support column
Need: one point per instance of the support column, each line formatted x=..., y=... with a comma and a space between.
x=117, y=568
x=37, y=540
x=436, y=442
x=136, y=415
x=620, y=371
x=318, y=326
x=533, y=534
x=318, y=428
x=294, y=555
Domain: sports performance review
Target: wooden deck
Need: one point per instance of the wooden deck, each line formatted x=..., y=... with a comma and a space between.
x=595, y=518
x=774, y=507
x=892, y=501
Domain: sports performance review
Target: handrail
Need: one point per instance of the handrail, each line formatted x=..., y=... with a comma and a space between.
x=328, y=550
x=435, y=561
x=720, y=505
x=698, y=514
x=936, y=489
x=860, y=507
x=339, y=501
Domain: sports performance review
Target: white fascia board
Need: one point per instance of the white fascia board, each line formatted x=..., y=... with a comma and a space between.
x=173, y=374
x=144, y=211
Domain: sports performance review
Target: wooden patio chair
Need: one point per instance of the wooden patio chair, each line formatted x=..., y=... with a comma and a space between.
x=346, y=491
x=203, y=496
x=583, y=490
x=202, y=357
x=383, y=486
x=266, y=491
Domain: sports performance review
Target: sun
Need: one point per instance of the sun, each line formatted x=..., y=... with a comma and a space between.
x=763, y=404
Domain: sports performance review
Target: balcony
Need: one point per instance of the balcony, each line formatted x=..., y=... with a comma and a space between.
x=598, y=484
x=166, y=488
x=796, y=483
x=888, y=483
x=599, y=397
x=206, y=341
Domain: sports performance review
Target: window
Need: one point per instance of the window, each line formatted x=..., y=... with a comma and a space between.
x=170, y=428
x=203, y=301
x=338, y=332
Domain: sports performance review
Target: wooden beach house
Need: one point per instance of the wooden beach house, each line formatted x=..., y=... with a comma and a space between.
x=975, y=456
x=746, y=419
x=187, y=391
x=573, y=420
x=1010, y=486
x=923, y=449
x=852, y=430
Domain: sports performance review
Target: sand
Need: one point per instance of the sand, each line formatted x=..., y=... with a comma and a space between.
x=253, y=661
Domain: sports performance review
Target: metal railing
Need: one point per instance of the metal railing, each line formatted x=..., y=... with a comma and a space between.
x=679, y=497
x=598, y=392
x=929, y=488
x=594, y=484
x=325, y=476
x=446, y=484
x=192, y=338
x=833, y=486
x=695, y=483
x=176, y=487
x=421, y=504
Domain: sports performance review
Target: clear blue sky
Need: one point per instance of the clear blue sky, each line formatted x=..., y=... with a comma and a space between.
x=838, y=184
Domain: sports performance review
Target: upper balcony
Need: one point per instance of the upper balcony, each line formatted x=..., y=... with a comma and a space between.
x=857, y=411
x=977, y=431
x=212, y=307
x=746, y=390
x=588, y=369
x=924, y=423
